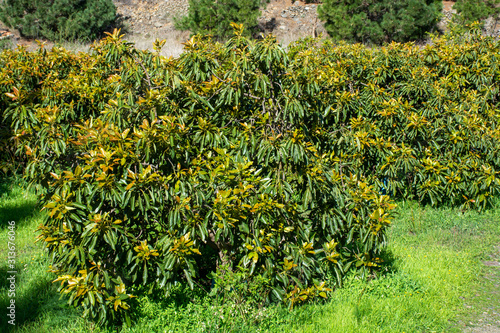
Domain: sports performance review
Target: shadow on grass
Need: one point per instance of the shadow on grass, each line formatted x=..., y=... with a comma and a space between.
x=13, y=206
x=16, y=213
x=28, y=301
x=388, y=264
x=6, y=186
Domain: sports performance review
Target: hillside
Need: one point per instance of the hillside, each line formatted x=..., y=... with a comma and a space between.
x=145, y=20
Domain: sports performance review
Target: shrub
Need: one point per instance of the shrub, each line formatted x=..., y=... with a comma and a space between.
x=5, y=44
x=379, y=21
x=245, y=155
x=476, y=10
x=214, y=17
x=143, y=185
x=59, y=19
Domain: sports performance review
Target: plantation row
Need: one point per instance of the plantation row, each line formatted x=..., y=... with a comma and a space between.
x=278, y=164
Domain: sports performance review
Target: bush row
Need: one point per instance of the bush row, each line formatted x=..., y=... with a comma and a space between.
x=246, y=156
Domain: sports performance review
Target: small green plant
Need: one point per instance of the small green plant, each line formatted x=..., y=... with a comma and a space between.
x=238, y=287
x=5, y=44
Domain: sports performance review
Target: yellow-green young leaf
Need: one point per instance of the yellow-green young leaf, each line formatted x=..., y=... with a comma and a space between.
x=14, y=97
x=116, y=304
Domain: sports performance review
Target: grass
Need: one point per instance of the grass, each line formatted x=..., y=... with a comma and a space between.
x=432, y=281
x=436, y=270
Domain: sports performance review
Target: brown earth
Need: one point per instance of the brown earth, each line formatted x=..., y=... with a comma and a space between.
x=447, y=5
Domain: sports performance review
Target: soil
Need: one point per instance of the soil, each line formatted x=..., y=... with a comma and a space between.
x=447, y=5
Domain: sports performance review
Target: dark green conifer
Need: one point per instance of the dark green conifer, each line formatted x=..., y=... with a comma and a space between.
x=214, y=17
x=378, y=21
x=476, y=10
x=59, y=19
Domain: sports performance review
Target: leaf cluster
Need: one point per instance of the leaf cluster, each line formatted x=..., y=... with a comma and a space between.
x=476, y=10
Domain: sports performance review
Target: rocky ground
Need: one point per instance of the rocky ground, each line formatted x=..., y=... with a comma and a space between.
x=281, y=17
x=146, y=20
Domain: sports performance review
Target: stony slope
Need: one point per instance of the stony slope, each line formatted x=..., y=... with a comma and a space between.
x=154, y=19
x=146, y=20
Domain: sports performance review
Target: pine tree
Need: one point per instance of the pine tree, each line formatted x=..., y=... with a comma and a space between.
x=59, y=19
x=214, y=17
x=378, y=21
x=476, y=10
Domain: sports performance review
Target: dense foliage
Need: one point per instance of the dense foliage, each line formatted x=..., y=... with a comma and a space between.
x=156, y=169
x=476, y=10
x=59, y=19
x=378, y=21
x=274, y=164
x=214, y=17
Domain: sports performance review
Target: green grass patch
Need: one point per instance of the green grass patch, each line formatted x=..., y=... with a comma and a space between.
x=432, y=281
x=35, y=295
